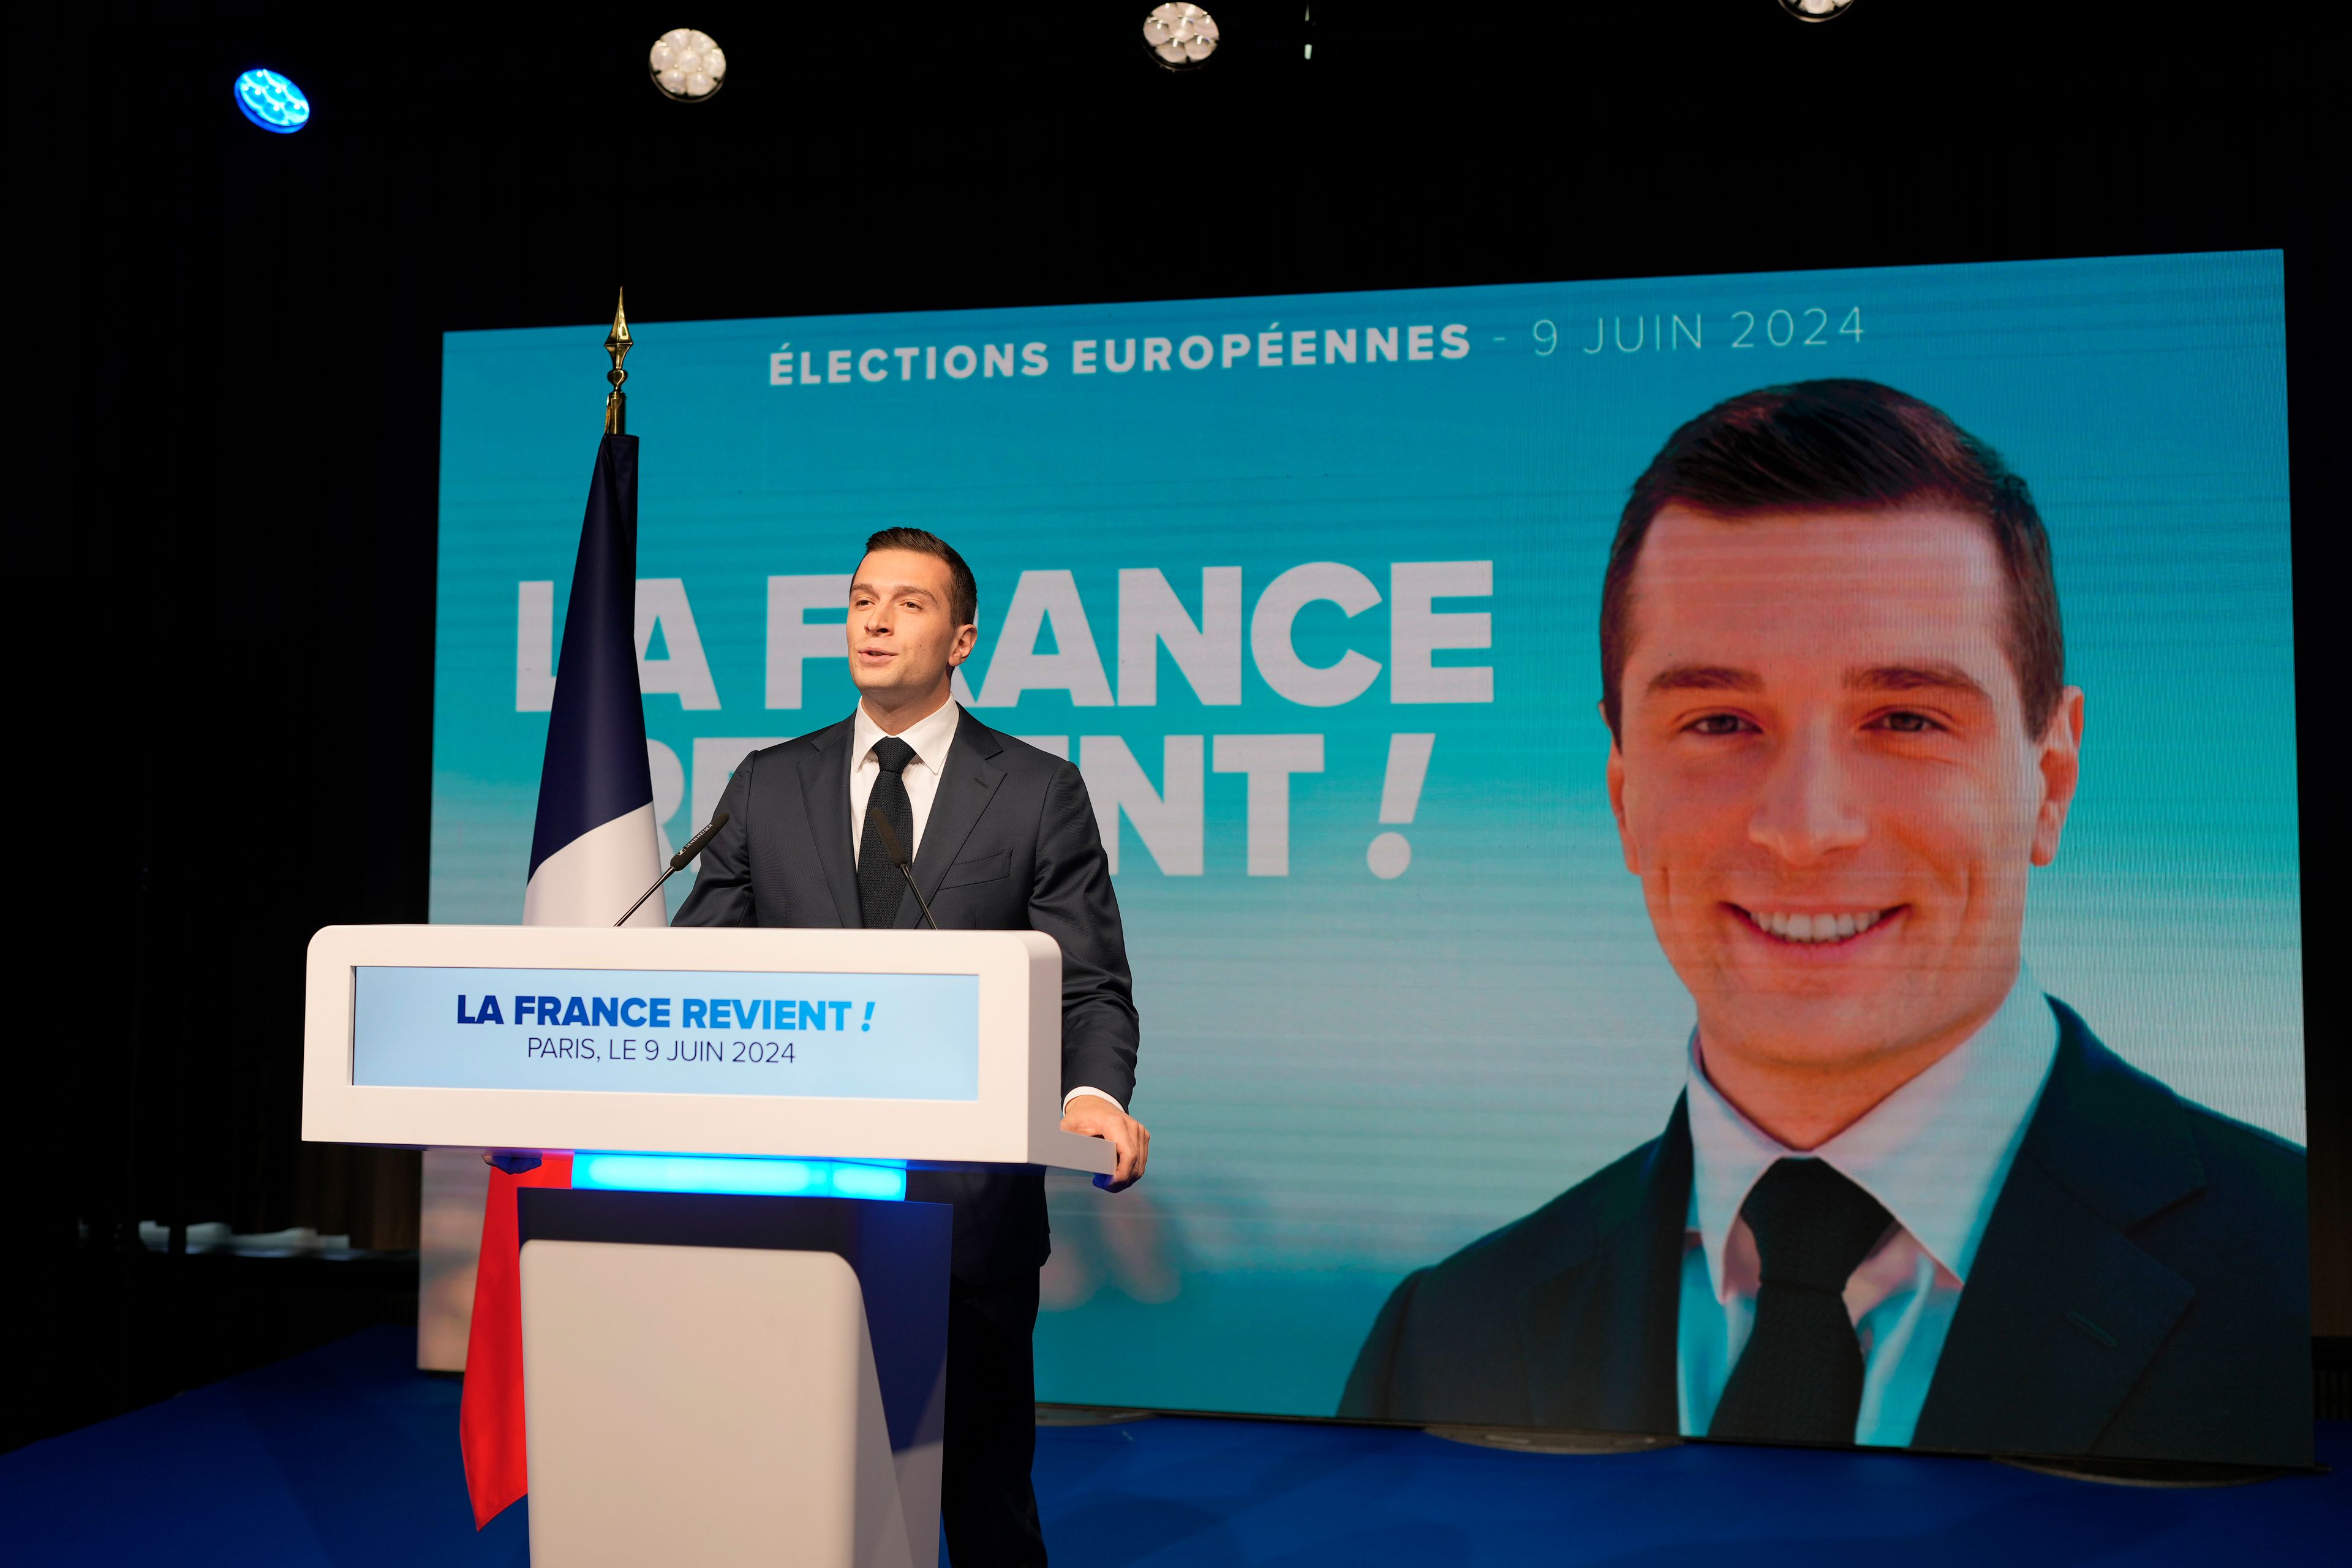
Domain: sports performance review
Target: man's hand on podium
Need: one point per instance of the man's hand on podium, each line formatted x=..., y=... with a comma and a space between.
x=1091, y=1116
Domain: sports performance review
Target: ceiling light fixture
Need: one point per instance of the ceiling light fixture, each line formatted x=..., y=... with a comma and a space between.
x=1817, y=10
x=685, y=66
x=1180, y=34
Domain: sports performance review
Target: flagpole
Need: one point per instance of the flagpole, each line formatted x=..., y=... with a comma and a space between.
x=617, y=345
x=584, y=861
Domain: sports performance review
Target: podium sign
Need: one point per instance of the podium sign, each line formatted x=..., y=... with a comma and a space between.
x=874, y=1037
x=877, y=1045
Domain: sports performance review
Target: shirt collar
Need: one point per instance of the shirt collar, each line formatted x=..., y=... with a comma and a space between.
x=931, y=736
x=1935, y=1152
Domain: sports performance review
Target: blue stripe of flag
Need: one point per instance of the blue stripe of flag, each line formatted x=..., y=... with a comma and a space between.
x=595, y=769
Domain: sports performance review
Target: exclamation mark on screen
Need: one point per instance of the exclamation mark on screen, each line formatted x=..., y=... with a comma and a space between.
x=1390, y=853
x=869, y=1019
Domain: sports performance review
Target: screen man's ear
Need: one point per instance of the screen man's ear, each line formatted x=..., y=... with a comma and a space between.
x=1616, y=780
x=2061, y=763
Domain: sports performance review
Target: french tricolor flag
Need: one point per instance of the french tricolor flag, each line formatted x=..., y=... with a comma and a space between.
x=595, y=848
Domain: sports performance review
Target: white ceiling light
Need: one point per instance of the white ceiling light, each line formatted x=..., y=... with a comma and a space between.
x=686, y=66
x=1180, y=34
x=1817, y=10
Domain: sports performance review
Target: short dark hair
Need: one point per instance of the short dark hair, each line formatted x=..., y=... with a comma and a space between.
x=963, y=590
x=1843, y=445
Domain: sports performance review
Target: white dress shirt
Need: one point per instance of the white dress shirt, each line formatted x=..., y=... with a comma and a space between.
x=1935, y=1153
x=932, y=736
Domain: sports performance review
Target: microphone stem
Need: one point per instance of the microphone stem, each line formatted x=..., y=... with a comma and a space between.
x=897, y=853
x=677, y=862
x=648, y=893
x=920, y=900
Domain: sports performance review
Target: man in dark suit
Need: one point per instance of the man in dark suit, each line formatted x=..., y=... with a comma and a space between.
x=1003, y=837
x=1905, y=1198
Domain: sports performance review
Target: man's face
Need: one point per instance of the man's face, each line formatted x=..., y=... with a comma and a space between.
x=1824, y=779
x=903, y=634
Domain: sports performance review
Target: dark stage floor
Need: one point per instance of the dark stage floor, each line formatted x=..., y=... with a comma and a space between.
x=346, y=1456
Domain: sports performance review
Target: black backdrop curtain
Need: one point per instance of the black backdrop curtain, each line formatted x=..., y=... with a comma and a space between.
x=227, y=367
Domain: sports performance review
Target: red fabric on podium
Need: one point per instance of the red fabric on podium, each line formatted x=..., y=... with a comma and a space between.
x=489, y=1415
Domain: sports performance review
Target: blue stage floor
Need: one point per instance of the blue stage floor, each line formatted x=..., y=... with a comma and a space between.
x=346, y=1456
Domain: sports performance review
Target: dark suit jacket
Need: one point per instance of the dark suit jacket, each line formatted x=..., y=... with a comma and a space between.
x=2141, y=1291
x=1009, y=844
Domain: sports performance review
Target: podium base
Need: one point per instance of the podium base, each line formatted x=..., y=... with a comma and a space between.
x=732, y=1380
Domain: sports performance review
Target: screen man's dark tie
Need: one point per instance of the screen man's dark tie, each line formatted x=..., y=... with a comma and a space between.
x=1800, y=1378
x=879, y=885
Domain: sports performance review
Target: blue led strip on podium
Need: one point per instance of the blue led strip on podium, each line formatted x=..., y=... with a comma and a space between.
x=769, y=1178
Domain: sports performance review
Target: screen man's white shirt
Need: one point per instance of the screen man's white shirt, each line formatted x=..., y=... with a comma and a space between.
x=931, y=736
x=1935, y=1153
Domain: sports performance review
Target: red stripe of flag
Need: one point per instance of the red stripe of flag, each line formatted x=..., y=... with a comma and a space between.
x=491, y=1416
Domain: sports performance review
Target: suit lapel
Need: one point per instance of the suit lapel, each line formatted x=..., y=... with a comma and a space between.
x=824, y=794
x=966, y=788
x=2061, y=1311
x=1599, y=1331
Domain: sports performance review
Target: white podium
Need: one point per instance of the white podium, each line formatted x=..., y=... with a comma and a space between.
x=720, y=1379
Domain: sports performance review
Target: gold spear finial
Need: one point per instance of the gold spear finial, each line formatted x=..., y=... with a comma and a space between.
x=616, y=405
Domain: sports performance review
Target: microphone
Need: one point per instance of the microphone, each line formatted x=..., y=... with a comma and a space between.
x=897, y=853
x=677, y=862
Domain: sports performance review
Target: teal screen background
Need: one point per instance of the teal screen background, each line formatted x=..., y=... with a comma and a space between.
x=1349, y=1075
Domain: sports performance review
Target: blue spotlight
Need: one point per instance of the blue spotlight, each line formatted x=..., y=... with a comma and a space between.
x=272, y=102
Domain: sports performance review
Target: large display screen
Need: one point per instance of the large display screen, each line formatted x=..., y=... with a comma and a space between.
x=1528, y=1003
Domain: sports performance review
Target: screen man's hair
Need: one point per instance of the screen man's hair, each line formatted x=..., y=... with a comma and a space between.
x=1842, y=446
x=963, y=589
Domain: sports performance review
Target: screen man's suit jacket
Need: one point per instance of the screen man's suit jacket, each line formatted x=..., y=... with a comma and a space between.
x=2141, y=1291
x=1011, y=844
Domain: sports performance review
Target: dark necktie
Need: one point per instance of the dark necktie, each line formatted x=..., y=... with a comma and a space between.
x=879, y=885
x=1800, y=1378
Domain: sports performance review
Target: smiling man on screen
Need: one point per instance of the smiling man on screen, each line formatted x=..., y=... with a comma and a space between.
x=1904, y=1199
x=1003, y=837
